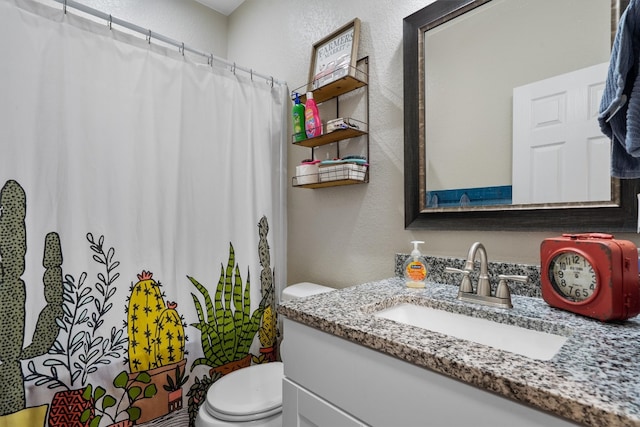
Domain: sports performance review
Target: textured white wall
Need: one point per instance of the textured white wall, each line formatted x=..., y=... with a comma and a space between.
x=348, y=235
x=341, y=235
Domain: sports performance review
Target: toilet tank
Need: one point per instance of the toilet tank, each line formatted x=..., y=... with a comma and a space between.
x=304, y=289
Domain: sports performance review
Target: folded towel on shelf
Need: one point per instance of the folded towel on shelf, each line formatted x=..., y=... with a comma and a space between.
x=619, y=113
x=360, y=160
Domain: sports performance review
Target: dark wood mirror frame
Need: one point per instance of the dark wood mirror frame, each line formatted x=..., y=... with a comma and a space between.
x=620, y=215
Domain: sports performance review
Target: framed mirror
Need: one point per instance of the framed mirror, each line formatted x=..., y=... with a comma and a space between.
x=463, y=146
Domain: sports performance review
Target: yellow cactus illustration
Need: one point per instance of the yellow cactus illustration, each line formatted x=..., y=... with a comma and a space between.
x=169, y=336
x=267, y=332
x=156, y=330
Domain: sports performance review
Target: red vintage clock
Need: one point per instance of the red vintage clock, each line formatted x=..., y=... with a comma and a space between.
x=591, y=274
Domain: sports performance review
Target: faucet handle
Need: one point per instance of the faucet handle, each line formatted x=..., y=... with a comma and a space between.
x=503, y=289
x=465, y=285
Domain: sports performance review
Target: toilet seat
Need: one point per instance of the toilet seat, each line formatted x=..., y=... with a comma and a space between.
x=248, y=394
x=252, y=396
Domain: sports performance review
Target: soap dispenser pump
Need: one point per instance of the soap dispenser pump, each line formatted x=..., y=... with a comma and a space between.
x=415, y=268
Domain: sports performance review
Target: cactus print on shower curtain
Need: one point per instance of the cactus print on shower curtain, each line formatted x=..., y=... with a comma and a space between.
x=151, y=345
x=13, y=297
x=268, y=332
x=228, y=327
x=156, y=331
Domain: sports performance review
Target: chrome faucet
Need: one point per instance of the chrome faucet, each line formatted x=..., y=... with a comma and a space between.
x=482, y=294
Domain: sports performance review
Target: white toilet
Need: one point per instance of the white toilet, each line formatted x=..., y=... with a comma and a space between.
x=251, y=397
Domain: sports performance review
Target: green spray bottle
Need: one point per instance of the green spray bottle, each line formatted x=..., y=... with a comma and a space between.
x=297, y=112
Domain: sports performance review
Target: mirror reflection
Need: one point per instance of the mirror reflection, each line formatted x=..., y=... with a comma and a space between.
x=473, y=161
x=511, y=116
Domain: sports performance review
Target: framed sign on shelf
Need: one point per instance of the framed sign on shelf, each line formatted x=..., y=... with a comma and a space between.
x=335, y=56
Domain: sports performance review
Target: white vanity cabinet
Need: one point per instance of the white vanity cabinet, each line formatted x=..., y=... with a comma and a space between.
x=305, y=409
x=333, y=382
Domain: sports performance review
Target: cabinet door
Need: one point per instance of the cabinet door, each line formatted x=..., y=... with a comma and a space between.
x=302, y=408
x=384, y=391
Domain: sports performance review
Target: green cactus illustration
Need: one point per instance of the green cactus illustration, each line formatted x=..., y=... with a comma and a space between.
x=156, y=330
x=268, y=332
x=226, y=333
x=13, y=249
x=266, y=274
x=81, y=347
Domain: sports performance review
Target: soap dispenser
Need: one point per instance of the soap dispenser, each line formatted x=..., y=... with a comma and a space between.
x=415, y=268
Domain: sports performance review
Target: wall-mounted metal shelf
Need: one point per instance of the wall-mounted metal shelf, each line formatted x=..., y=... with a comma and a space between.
x=335, y=136
x=357, y=78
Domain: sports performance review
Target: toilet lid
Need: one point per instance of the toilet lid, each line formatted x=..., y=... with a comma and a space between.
x=247, y=394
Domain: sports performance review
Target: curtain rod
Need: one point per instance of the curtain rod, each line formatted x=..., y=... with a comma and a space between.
x=150, y=35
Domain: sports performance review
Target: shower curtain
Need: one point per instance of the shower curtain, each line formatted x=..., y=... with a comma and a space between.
x=142, y=223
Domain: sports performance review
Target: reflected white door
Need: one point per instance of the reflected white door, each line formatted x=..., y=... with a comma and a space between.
x=559, y=152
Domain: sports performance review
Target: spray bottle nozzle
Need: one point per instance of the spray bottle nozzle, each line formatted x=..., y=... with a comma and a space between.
x=416, y=252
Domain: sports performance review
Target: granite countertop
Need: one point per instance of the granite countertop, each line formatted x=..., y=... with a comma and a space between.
x=594, y=379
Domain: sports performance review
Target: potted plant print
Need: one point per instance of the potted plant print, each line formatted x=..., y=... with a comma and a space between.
x=106, y=406
x=81, y=347
x=156, y=340
x=174, y=387
x=228, y=329
x=226, y=333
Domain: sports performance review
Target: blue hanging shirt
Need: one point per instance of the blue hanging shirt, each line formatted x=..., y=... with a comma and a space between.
x=619, y=113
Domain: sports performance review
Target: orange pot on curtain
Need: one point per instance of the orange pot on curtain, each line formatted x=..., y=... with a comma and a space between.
x=66, y=408
x=158, y=405
x=227, y=368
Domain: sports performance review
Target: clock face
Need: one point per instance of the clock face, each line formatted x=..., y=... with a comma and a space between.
x=591, y=274
x=573, y=276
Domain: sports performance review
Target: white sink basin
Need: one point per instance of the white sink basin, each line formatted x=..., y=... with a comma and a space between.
x=526, y=342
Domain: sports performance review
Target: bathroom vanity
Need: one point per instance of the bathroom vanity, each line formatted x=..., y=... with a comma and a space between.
x=346, y=365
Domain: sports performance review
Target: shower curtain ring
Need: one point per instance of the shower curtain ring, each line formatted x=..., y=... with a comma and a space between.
x=181, y=49
x=233, y=70
x=64, y=7
x=149, y=37
x=251, y=72
x=110, y=21
x=271, y=81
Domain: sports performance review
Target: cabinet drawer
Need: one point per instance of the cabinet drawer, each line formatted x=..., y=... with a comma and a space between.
x=305, y=409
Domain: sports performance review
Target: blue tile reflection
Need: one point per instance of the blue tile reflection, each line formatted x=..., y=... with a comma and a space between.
x=468, y=197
